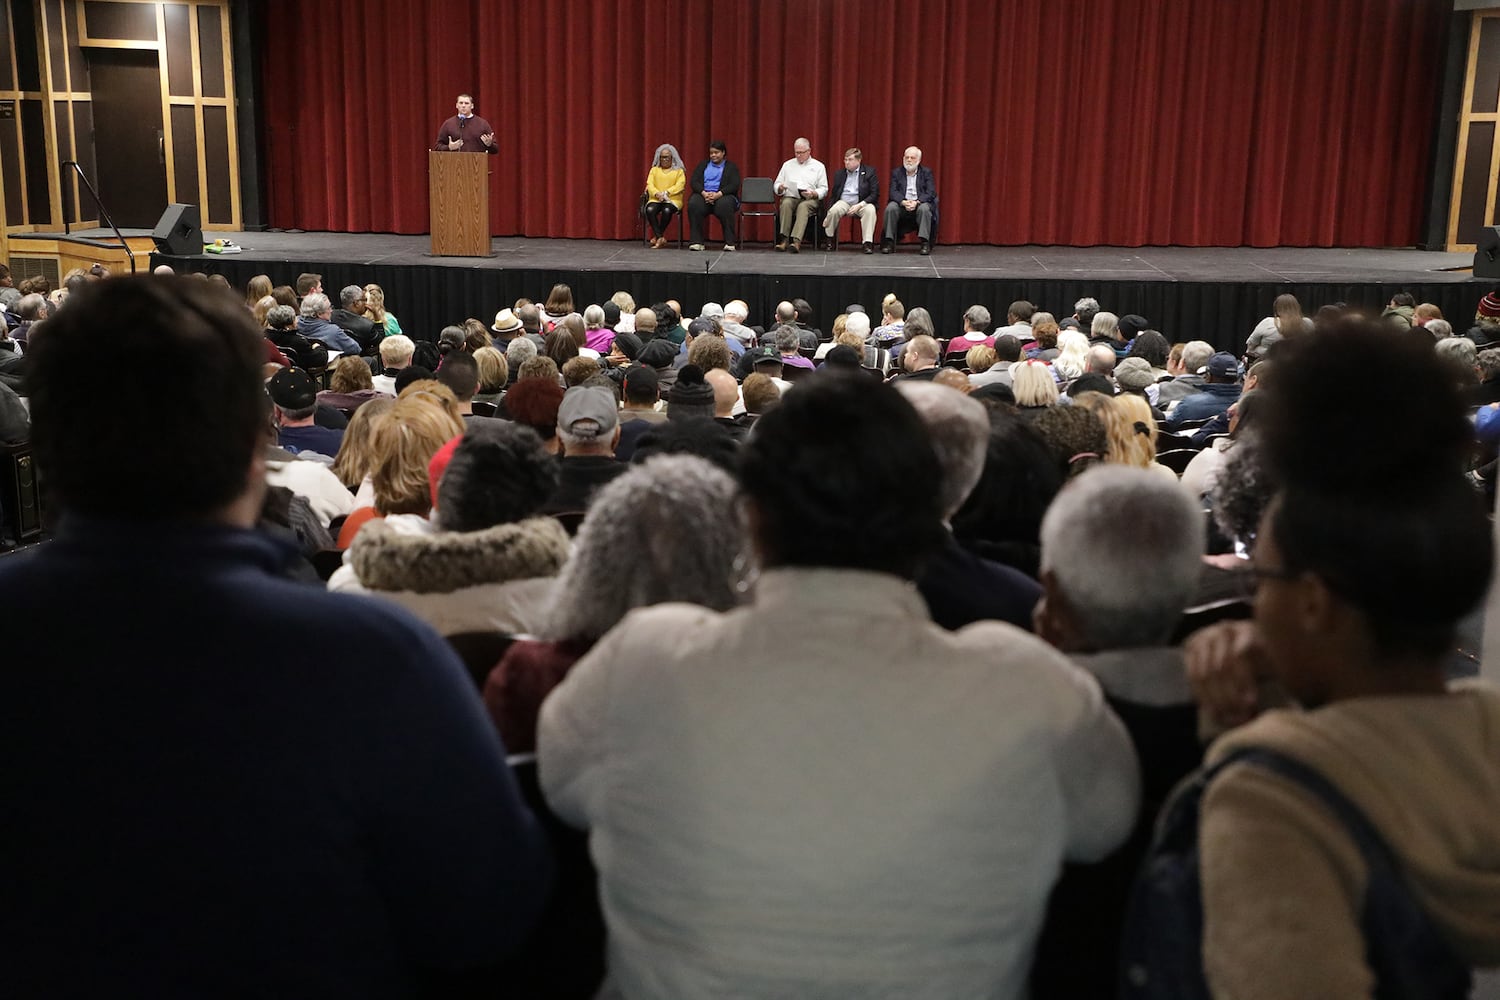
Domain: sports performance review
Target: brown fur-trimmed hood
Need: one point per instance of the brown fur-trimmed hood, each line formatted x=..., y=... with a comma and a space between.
x=387, y=560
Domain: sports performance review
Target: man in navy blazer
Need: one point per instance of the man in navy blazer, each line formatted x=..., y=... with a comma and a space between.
x=913, y=202
x=855, y=191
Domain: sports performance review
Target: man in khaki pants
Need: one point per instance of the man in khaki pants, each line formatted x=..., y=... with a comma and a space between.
x=801, y=185
x=856, y=189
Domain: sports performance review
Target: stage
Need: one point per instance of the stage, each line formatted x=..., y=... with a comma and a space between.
x=1214, y=294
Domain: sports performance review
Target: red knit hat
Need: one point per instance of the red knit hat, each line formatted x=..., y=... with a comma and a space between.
x=1489, y=309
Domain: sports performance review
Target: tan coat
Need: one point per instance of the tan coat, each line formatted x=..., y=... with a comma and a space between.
x=1282, y=881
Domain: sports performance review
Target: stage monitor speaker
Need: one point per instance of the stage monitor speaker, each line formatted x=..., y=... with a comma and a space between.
x=1487, y=253
x=179, y=231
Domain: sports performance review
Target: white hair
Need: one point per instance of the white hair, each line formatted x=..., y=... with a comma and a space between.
x=593, y=317
x=1439, y=328
x=665, y=530
x=1105, y=325
x=736, y=309
x=960, y=432
x=1461, y=349
x=1033, y=384
x=396, y=349
x=519, y=351
x=1195, y=354
x=315, y=304
x=1126, y=547
x=1072, y=354
x=858, y=323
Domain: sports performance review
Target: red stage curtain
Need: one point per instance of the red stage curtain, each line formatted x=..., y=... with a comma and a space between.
x=1074, y=122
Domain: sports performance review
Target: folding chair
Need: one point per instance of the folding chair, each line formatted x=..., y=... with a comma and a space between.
x=757, y=192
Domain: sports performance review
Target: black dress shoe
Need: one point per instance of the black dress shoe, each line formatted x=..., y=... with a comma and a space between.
x=926, y=249
x=887, y=248
x=869, y=248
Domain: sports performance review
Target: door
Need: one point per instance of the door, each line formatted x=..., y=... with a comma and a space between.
x=128, y=144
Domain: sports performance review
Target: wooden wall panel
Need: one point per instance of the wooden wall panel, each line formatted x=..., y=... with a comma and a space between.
x=184, y=137
x=38, y=199
x=1476, y=167
x=57, y=51
x=10, y=170
x=28, y=58
x=130, y=21
x=64, y=147
x=78, y=67
x=45, y=49
x=179, y=42
x=7, y=69
x=217, y=159
x=211, y=64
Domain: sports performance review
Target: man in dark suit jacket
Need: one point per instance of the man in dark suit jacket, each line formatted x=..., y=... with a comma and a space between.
x=349, y=318
x=913, y=202
x=716, y=188
x=855, y=191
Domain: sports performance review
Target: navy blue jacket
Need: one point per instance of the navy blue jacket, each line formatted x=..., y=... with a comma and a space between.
x=1212, y=399
x=223, y=783
x=926, y=188
x=869, y=185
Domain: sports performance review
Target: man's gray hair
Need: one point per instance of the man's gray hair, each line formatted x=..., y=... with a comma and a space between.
x=280, y=316
x=666, y=530
x=978, y=318
x=315, y=304
x=1086, y=309
x=9, y=297
x=1195, y=354
x=1104, y=325
x=960, y=431
x=785, y=338
x=858, y=323
x=593, y=316
x=1439, y=328
x=736, y=309
x=1102, y=359
x=32, y=306
x=1457, y=350
x=519, y=351
x=350, y=294
x=1126, y=549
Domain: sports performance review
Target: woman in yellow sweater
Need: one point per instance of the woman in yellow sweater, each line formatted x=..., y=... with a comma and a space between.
x=664, y=187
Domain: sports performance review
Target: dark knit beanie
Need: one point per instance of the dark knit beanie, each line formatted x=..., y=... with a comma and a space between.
x=691, y=389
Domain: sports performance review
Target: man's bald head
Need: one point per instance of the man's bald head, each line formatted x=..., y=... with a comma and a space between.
x=726, y=391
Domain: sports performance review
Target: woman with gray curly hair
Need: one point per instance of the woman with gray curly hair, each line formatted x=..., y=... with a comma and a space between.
x=664, y=531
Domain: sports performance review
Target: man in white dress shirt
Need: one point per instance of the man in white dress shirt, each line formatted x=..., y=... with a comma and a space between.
x=801, y=185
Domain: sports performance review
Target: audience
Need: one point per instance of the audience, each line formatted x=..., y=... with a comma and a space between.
x=903, y=541
x=735, y=770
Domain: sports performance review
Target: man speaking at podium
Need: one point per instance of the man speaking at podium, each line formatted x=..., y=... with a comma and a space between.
x=466, y=132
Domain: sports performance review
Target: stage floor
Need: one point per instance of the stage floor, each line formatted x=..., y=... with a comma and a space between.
x=1143, y=264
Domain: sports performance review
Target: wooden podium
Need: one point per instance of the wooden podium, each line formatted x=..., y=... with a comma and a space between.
x=459, y=195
